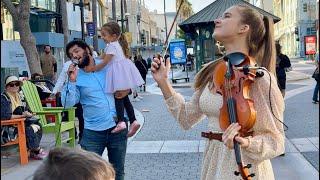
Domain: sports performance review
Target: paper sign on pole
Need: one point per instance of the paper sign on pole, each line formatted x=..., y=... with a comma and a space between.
x=310, y=45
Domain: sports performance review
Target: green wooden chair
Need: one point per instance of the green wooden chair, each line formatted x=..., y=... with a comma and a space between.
x=58, y=127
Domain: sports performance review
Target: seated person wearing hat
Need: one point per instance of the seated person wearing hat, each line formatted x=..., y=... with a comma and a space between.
x=43, y=91
x=12, y=108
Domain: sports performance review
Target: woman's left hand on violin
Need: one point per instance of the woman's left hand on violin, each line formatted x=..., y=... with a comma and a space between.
x=232, y=133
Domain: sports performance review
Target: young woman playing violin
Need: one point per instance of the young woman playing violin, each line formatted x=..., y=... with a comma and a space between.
x=240, y=29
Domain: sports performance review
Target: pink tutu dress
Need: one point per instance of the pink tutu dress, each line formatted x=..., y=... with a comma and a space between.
x=121, y=73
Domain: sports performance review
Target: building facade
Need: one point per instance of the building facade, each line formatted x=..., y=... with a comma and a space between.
x=142, y=25
x=266, y=5
x=44, y=22
x=298, y=19
x=46, y=25
x=285, y=29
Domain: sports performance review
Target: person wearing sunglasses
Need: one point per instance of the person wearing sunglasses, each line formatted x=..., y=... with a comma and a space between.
x=13, y=108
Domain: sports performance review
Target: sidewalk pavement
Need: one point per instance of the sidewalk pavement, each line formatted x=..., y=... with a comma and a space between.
x=291, y=76
x=302, y=60
x=12, y=170
x=292, y=166
x=296, y=76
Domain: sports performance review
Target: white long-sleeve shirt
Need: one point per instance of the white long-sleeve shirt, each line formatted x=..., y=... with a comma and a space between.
x=62, y=78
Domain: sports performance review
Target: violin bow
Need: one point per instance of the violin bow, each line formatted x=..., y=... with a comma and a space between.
x=168, y=35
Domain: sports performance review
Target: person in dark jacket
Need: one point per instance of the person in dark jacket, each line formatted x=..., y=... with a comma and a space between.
x=282, y=65
x=149, y=61
x=13, y=108
x=142, y=66
x=315, y=97
x=43, y=91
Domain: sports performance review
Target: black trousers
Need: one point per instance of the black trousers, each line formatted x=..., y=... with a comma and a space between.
x=144, y=77
x=79, y=115
x=33, y=139
x=122, y=104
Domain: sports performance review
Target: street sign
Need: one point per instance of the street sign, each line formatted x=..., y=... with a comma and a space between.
x=178, y=51
x=91, y=28
x=310, y=45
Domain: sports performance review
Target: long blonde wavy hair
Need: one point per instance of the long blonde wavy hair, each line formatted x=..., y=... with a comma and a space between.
x=260, y=41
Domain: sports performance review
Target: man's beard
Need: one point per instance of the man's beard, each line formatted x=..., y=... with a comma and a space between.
x=85, y=61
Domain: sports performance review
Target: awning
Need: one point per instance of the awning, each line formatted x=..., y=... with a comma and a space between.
x=41, y=12
x=215, y=10
x=44, y=13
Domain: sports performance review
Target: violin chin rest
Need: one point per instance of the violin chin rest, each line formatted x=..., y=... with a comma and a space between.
x=235, y=58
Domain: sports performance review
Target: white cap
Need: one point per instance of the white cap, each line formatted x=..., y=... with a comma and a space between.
x=12, y=79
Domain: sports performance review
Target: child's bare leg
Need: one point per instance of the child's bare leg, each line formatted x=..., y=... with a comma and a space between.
x=134, y=125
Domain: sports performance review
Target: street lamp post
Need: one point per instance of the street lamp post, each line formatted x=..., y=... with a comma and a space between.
x=81, y=5
x=124, y=18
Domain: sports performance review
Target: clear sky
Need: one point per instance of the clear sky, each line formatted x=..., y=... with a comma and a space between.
x=197, y=5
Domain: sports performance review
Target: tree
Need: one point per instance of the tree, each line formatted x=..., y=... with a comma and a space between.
x=65, y=28
x=21, y=14
x=185, y=12
x=181, y=34
x=186, y=9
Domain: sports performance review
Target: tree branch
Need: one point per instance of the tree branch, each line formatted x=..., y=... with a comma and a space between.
x=25, y=7
x=9, y=5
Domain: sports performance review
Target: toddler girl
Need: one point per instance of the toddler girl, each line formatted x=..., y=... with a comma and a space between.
x=121, y=74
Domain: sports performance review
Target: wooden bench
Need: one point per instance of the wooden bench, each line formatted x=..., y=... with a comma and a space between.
x=21, y=140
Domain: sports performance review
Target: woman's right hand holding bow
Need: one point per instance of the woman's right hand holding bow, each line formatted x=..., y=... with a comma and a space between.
x=159, y=70
x=160, y=75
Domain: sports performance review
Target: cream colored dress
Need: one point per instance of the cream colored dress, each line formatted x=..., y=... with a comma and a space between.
x=266, y=143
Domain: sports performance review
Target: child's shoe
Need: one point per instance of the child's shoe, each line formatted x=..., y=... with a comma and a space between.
x=120, y=126
x=134, y=126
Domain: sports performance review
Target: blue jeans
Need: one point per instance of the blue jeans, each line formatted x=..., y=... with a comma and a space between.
x=116, y=144
x=316, y=92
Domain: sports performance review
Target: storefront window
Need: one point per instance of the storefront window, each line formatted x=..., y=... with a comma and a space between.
x=46, y=4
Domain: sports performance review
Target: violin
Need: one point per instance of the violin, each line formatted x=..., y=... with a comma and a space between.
x=232, y=79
